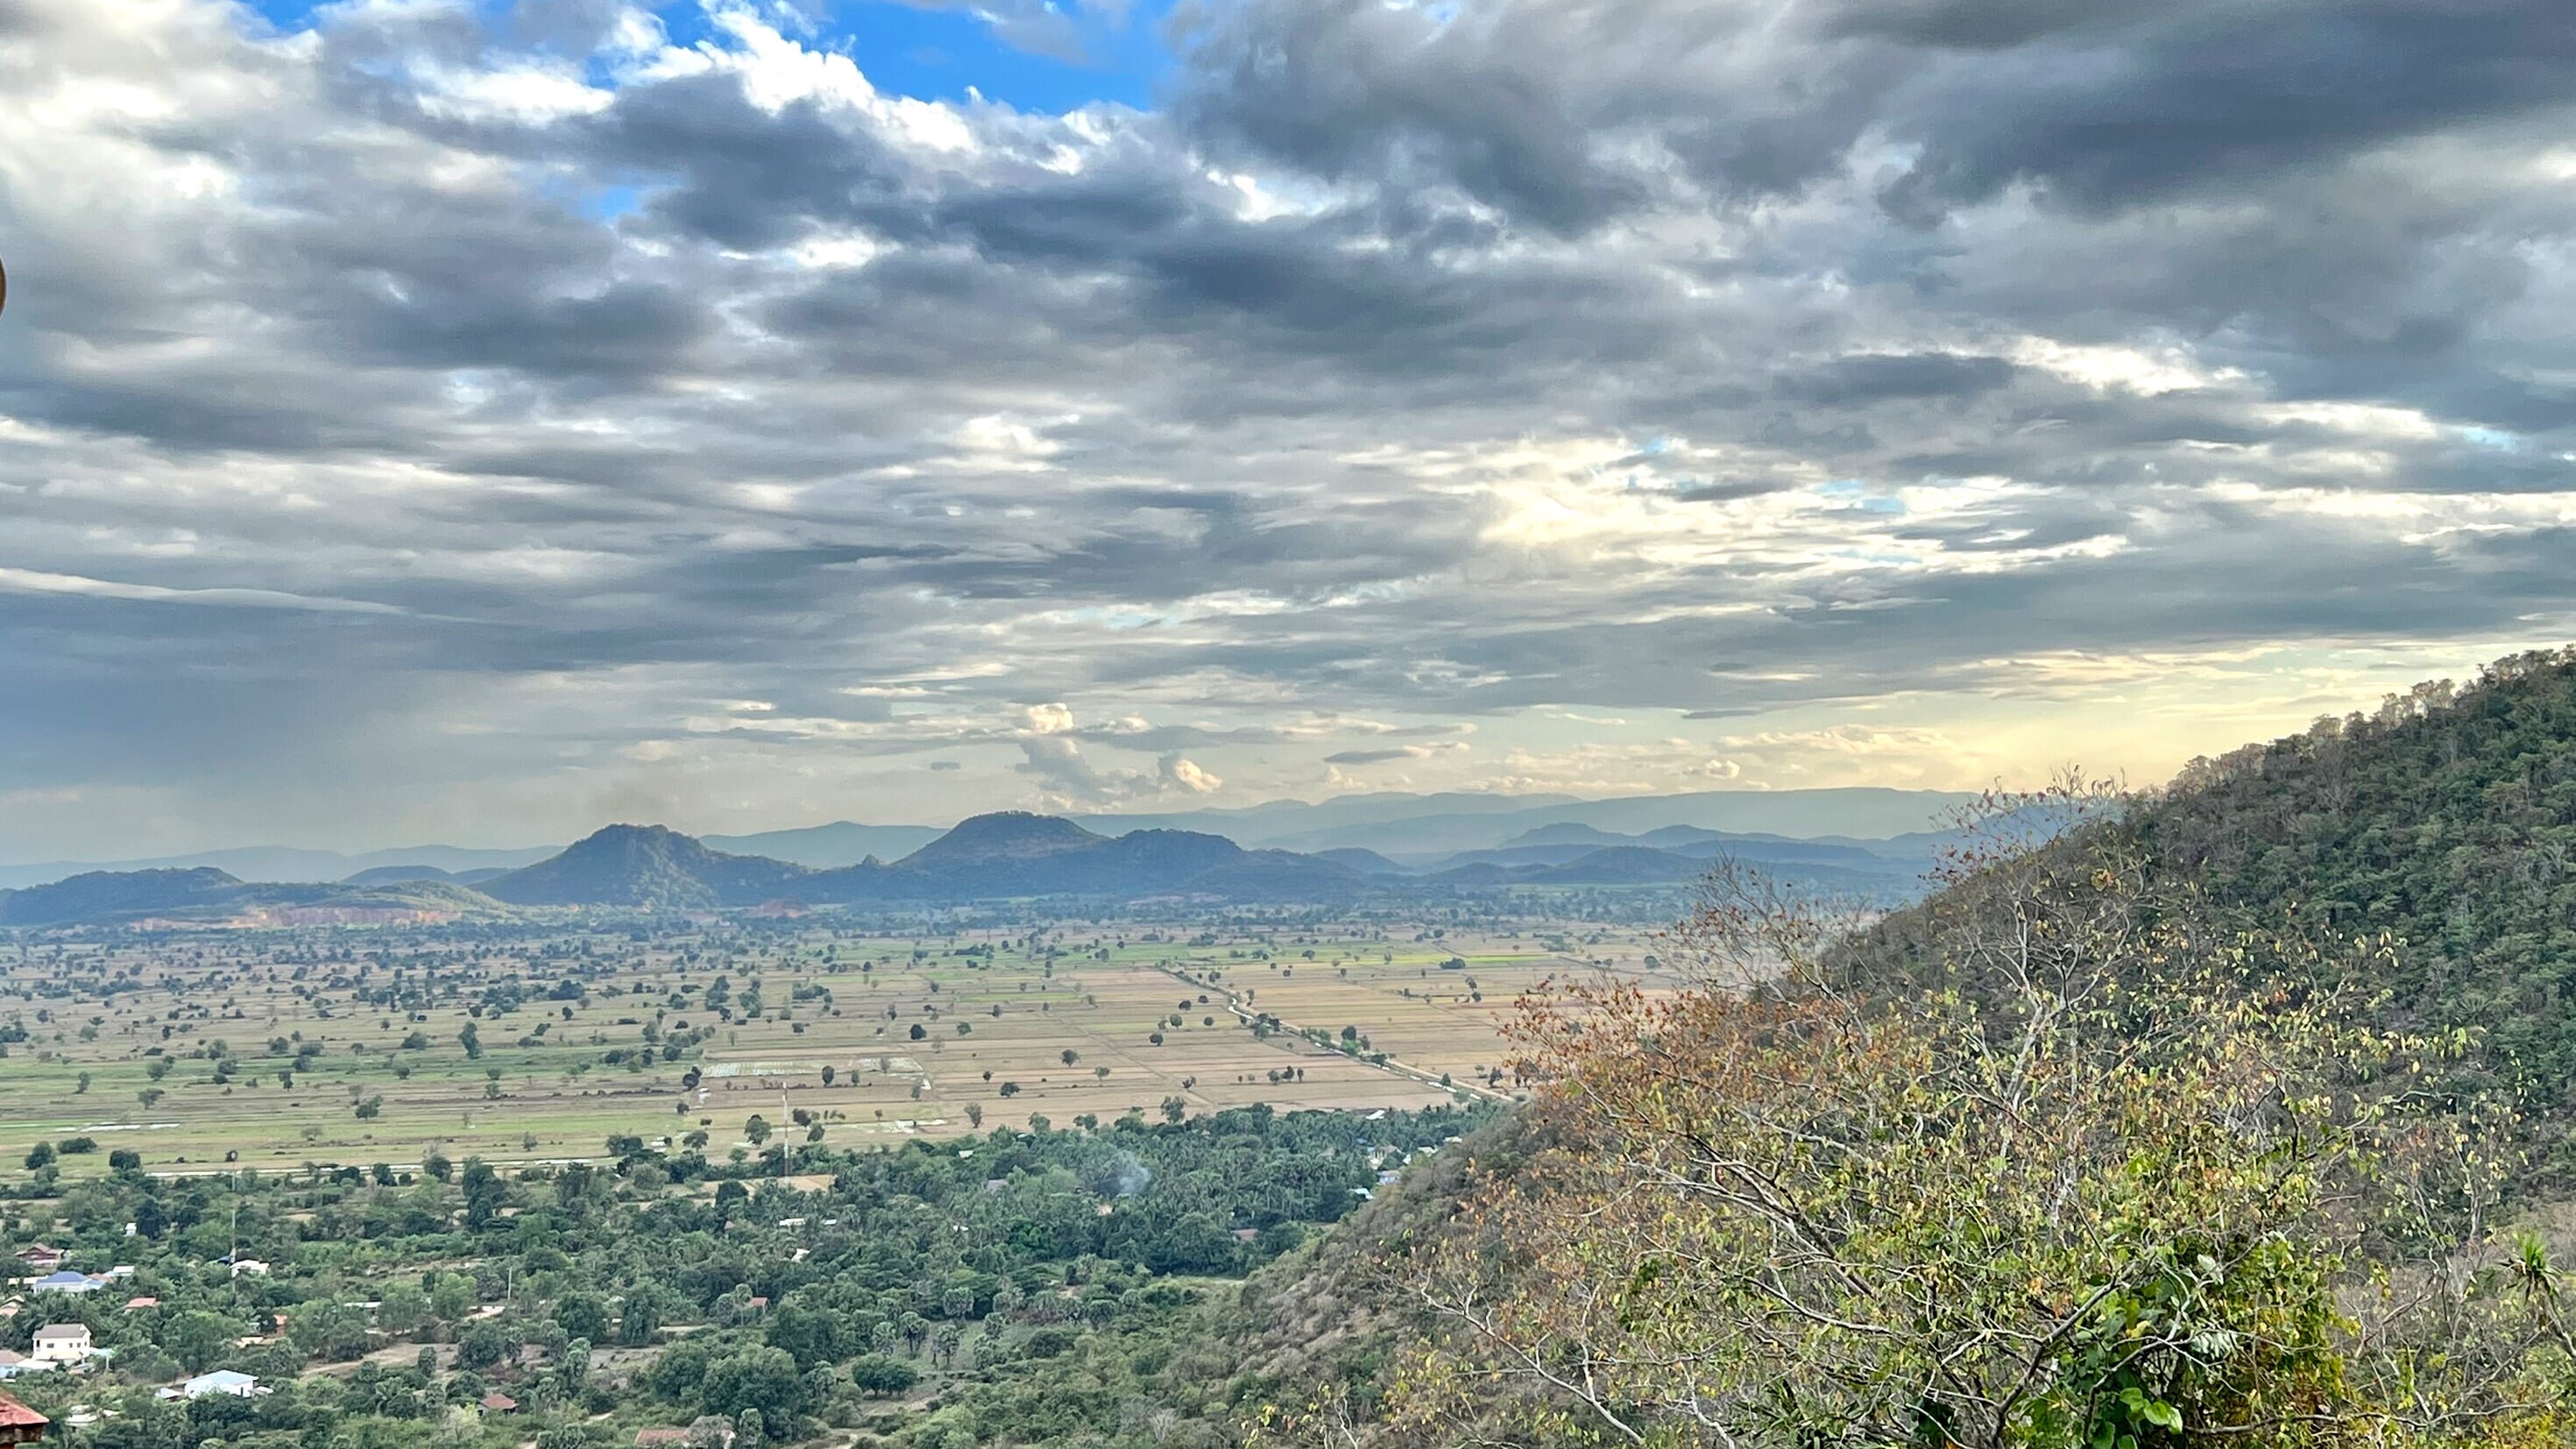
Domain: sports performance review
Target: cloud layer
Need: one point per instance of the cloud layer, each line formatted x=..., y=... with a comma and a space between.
x=449, y=422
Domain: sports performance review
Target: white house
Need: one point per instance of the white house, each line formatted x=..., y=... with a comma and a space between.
x=14, y=1363
x=251, y=1267
x=63, y=1343
x=64, y=1282
x=221, y=1381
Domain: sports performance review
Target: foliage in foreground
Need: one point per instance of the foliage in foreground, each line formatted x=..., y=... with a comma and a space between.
x=2127, y=1192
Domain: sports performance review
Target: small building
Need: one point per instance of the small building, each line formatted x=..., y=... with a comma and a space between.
x=222, y=1381
x=497, y=1402
x=63, y=1343
x=41, y=1257
x=140, y=1302
x=20, y=1424
x=14, y=1363
x=65, y=1282
x=249, y=1267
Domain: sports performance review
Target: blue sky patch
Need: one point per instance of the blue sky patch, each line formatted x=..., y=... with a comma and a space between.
x=931, y=53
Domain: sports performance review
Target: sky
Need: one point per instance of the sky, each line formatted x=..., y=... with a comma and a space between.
x=477, y=420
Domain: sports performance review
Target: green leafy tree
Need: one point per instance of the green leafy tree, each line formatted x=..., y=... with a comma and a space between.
x=401, y=1308
x=452, y=1296
x=763, y=1380
x=198, y=1339
x=582, y=1316
x=879, y=1374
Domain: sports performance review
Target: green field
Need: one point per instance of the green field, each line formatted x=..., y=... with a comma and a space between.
x=344, y=1045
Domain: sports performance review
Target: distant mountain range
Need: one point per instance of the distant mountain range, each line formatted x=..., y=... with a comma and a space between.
x=1418, y=829
x=1422, y=825
x=286, y=865
x=990, y=857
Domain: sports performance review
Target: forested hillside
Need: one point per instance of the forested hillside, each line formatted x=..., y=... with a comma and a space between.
x=2446, y=817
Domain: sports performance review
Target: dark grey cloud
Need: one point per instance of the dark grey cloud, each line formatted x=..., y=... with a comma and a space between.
x=2210, y=96
x=1865, y=377
x=570, y=416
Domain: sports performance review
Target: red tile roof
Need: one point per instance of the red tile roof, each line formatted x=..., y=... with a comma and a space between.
x=15, y=1415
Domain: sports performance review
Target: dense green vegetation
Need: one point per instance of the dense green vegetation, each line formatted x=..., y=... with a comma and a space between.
x=1024, y=1286
x=2446, y=818
x=2442, y=824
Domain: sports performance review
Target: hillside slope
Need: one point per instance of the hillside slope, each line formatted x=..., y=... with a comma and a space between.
x=98, y=894
x=2447, y=816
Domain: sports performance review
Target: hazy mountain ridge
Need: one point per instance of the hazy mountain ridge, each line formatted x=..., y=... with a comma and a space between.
x=1015, y=854
x=1420, y=828
x=1399, y=825
x=1008, y=855
x=283, y=865
x=829, y=847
